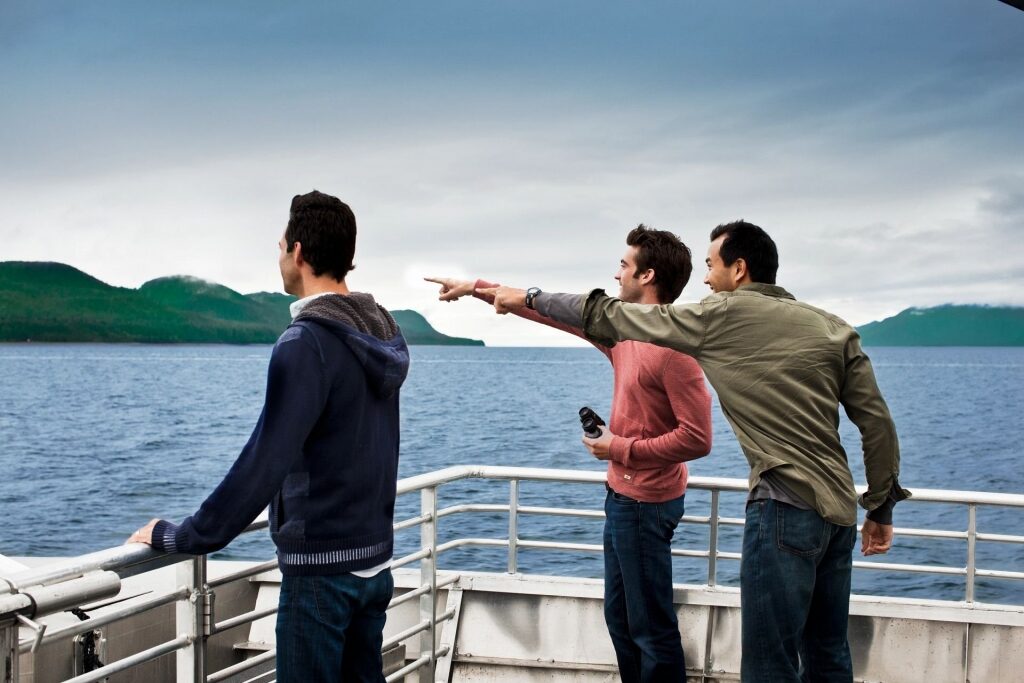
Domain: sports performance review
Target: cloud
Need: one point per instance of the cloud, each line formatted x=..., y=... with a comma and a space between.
x=872, y=142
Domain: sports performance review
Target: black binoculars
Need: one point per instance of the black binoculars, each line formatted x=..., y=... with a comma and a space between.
x=591, y=422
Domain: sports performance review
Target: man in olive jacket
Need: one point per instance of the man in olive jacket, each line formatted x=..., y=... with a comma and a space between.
x=781, y=369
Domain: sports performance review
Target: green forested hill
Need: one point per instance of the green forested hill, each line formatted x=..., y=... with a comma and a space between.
x=58, y=303
x=949, y=326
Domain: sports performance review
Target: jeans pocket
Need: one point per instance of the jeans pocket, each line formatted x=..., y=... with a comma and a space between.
x=801, y=532
x=386, y=587
x=315, y=589
x=670, y=513
x=623, y=500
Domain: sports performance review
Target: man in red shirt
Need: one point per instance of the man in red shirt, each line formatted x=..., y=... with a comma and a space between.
x=660, y=419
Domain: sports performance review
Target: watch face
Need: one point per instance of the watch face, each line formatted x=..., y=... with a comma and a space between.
x=531, y=293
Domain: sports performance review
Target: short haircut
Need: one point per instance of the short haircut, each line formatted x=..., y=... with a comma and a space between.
x=752, y=244
x=326, y=228
x=666, y=255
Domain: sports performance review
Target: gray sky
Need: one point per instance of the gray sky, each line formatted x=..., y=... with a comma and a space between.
x=880, y=143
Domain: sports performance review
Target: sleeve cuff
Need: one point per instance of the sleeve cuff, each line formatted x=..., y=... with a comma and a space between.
x=883, y=513
x=620, y=448
x=164, y=536
x=483, y=284
x=896, y=493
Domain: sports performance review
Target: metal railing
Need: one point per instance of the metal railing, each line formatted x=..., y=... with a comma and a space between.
x=27, y=596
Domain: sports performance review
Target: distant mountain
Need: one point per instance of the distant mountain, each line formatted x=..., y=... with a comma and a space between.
x=53, y=302
x=949, y=325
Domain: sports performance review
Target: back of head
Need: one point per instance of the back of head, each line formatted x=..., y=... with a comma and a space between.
x=665, y=254
x=752, y=244
x=326, y=228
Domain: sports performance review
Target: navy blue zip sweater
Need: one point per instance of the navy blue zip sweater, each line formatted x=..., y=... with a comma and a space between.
x=323, y=455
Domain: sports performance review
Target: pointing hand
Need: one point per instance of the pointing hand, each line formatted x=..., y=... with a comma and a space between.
x=451, y=289
x=506, y=299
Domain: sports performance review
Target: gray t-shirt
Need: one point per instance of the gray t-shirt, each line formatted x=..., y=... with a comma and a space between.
x=771, y=487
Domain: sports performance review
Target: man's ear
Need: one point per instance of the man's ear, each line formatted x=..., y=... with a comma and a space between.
x=647, y=276
x=739, y=269
x=297, y=254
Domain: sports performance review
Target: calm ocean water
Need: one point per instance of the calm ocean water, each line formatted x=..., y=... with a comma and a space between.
x=97, y=439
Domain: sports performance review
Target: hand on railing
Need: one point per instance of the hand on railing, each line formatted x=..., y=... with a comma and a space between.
x=143, y=535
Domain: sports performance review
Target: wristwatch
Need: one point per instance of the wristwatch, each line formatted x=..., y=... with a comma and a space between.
x=531, y=294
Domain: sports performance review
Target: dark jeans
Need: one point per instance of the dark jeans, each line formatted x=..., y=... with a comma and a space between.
x=329, y=628
x=795, y=594
x=638, y=589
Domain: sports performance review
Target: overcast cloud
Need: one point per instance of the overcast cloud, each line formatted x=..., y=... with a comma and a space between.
x=879, y=143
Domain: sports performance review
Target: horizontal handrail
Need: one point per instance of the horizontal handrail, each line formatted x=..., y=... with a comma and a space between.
x=72, y=581
x=458, y=472
x=109, y=618
x=245, y=618
x=245, y=665
x=245, y=573
x=416, y=628
x=415, y=665
x=422, y=590
x=125, y=560
x=134, y=558
x=132, y=660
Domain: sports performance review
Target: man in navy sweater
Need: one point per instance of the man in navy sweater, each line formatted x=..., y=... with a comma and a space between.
x=323, y=456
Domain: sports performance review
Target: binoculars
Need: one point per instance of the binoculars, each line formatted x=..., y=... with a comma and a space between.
x=591, y=422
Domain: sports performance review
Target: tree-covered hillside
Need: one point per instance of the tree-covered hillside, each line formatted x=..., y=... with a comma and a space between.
x=949, y=326
x=53, y=302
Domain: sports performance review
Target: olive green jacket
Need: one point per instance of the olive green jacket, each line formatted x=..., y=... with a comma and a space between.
x=781, y=369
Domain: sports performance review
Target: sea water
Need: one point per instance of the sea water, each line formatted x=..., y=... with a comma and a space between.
x=97, y=439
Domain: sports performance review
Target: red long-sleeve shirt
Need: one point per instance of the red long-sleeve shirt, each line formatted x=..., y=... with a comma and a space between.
x=661, y=415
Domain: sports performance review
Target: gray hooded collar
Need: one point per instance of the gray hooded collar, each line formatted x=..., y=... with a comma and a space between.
x=356, y=309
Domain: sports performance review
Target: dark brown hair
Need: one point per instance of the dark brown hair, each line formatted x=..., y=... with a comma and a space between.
x=665, y=254
x=752, y=244
x=326, y=228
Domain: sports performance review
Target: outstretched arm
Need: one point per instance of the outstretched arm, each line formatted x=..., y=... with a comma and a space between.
x=296, y=394
x=453, y=289
x=607, y=320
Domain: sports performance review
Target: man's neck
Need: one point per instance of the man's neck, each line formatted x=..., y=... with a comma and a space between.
x=649, y=298
x=322, y=285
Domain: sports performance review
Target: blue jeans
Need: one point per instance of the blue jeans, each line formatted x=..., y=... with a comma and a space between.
x=638, y=589
x=795, y=595
x=329, y=627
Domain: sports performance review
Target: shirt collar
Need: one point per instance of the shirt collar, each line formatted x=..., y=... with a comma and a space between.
x=767, y=290
x=296, y=307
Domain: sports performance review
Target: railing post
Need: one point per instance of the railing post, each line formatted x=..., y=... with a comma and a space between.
x=428, y=576
x=513, y=526
x=972, y=543
x=190, y=620
x=9, y=651
x=713, y=540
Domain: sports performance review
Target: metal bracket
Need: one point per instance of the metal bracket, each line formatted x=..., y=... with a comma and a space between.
x=40, y=630
x=208, y=598
x=449, y=636
x=8, y=650
x=90, y=651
